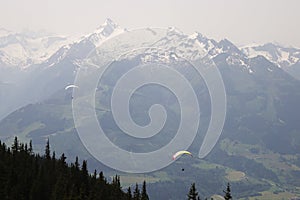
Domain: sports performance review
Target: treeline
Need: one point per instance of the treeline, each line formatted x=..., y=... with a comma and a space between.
x=25, y=175
x=193, y=194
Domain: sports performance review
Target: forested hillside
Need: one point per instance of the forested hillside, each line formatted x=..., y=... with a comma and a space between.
x=25, y=175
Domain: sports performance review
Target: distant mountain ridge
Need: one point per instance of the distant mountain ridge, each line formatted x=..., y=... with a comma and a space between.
x=282, y=56
x=29, y=48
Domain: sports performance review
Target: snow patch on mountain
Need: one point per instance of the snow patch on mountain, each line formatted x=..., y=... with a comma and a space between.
x=282, y=56
x=24, y=49
x=191, y=47
x=60, y=55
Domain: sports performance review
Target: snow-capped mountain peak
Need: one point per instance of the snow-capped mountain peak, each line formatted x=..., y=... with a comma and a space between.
x=202, y=41
x=107, y=29
x=82, y=47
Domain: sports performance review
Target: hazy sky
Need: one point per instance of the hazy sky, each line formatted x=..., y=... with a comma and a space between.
x=241, y=21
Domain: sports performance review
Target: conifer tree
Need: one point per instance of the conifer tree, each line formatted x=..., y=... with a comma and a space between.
x=128, y=194
x=94, y=175
x=15, y=146
x=101, y=176
x=76, y=164
x=144, y=195
x=193, y=194
x=136, y=193
x=53, y=155
x=227, y=195
x=30, y=150
x=84, y=168
x=47, y=150
x=26, y=148
x=62, y=160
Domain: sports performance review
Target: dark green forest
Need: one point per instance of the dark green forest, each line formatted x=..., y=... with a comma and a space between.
x=25, y=175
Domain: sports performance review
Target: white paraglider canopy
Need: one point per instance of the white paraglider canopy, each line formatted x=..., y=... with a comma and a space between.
x=71, y=86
